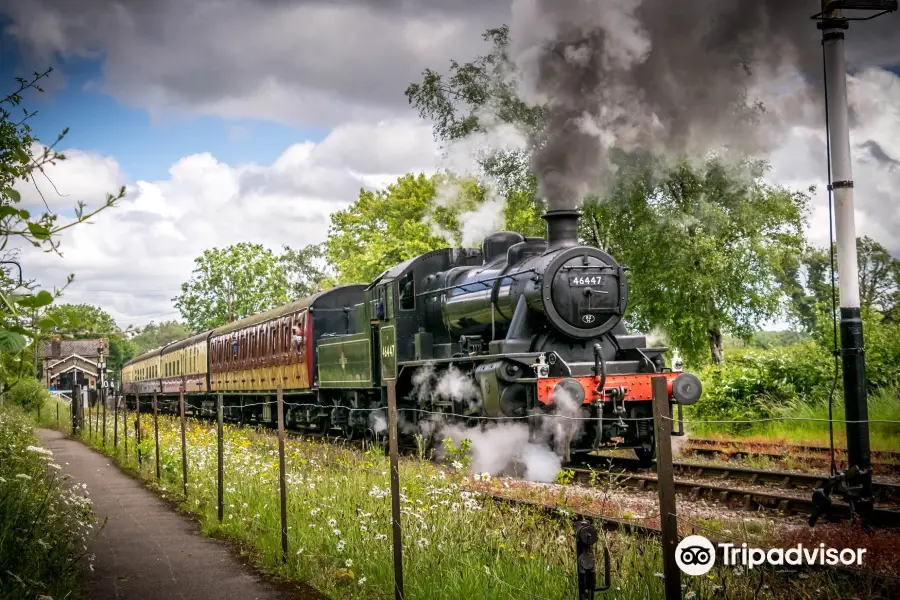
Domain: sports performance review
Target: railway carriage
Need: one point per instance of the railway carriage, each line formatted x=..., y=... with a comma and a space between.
x=522, y=328
x=183, y=365
x=141, y=375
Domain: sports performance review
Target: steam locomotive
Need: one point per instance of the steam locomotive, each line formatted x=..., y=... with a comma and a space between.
x=524, y=329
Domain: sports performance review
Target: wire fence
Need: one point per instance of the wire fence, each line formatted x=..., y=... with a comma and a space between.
x=326, y=513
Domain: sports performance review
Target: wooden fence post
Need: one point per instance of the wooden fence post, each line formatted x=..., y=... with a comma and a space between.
x=75, y=406
x=184, y=461
x=282, y=479
x=666, y=484
x=395, y=488
x=116, y=423
x=137, y=429
x=156, y=434
x=221, y=445
x=125, y=422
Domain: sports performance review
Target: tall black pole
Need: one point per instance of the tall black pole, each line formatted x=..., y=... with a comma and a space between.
x=859, y=472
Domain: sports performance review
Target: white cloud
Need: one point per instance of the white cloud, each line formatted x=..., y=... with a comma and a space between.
x=875, y=139
x=83, y=174
x=133, y=257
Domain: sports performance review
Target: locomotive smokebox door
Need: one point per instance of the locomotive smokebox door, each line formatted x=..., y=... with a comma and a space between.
x=586, y=295
x=584, y=292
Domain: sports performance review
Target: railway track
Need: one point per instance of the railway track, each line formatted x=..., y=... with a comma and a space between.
x=788, y=480
x=886, y=583
x=708, y=482
x=780, y=451
x=748, y=499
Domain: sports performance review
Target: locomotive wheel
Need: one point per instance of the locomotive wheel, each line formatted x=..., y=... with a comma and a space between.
x=350, y=433
x=645, y=456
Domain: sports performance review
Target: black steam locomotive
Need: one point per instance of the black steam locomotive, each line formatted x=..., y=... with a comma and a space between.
x=524, y=329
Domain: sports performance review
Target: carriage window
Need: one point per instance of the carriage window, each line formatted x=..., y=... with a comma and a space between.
x=408, y=292
x=299, y=337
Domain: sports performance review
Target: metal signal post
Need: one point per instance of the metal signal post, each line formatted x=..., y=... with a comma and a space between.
x=856, y=482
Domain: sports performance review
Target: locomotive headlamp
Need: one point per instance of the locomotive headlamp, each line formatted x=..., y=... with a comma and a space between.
x=570, y=389
x=686, y=388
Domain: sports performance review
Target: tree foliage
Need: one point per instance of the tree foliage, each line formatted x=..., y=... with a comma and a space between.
x=709, y=246
x=231, y=283
x=481, y=94
x=706, y=248
x=306, y=270
x=412, y=216
x=811, y=290
x=22, y=158
x=81, y=321
x=458, y=104
x=156, y=335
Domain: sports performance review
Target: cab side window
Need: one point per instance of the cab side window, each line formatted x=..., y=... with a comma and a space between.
x=408, y=292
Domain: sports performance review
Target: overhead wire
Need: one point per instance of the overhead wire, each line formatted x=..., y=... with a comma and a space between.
x=831, y=257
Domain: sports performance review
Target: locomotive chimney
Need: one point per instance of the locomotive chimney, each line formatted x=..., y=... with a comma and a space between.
x=562, y=229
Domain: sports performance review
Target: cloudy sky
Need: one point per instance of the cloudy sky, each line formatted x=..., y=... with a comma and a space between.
x=252, y=120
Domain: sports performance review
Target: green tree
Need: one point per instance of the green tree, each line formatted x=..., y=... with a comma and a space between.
x=809, y=284
x=85, y=321
x=386, y=227
x=306, y=270
x=680, y=244
x=231, y=283
x=20, y=304
x=457, y=106
x=81, y=321
x=156, y=335
x=707, y=247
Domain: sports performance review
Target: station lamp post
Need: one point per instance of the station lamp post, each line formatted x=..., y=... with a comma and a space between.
x=101, y=367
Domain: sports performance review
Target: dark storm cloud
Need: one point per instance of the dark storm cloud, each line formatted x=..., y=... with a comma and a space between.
x=669, y=77
x=301, y=60
x=325, y=61
x=881, y=157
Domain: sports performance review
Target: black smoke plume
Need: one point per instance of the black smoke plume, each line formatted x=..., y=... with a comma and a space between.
x=671, y=77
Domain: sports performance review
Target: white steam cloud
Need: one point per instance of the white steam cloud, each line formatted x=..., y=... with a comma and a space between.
x=498, y=448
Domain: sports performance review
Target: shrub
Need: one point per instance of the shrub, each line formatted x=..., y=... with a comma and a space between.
x=758, y=384
x=43, y=526
x=28, y=393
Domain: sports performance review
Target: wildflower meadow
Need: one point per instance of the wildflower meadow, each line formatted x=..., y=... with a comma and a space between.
x=457, y=541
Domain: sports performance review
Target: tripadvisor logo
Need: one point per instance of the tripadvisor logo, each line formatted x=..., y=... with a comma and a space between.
x=696, y=555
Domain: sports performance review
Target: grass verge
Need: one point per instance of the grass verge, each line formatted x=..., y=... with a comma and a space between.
x=457, y=543
x=883, y=405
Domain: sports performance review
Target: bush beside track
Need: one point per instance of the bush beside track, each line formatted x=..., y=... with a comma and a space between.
x=794, y=381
